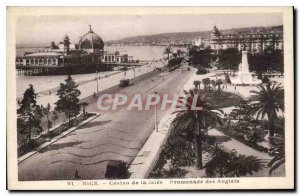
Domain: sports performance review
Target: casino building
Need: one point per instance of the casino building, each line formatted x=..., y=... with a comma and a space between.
x=85, y=56
x=88, y=51
x=254, y=42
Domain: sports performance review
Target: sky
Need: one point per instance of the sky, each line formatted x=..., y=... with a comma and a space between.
x=44, y=29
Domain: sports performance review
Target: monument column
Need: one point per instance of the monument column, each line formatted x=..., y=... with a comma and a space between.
x=245, y=65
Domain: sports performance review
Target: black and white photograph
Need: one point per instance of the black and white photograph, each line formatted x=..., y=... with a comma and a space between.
x=160, y=98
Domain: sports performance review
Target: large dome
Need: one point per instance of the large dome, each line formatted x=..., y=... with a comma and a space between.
x=91, y=40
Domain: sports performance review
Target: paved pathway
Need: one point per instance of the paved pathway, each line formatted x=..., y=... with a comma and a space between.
x=114, y=135
x=89, y=88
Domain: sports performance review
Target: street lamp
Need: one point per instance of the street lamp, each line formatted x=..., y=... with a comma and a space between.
x=134, y=72
x=97, y=81
x=155, y=111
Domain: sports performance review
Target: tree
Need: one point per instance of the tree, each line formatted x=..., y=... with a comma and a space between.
x=174, y=62
x=270, y=59
x=195, y=123
x=68, y=101
x=229, y=59
x=54, y=116
x=210, y=82
x=197, y=84
x=218, y=83
x=206, y=82
x=46, y=112
x=29, y=115
x=168, y=51
x=267, y=102
x=200, y=58
x=213, y=83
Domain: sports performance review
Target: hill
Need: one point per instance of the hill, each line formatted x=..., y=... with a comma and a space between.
x=187, y=37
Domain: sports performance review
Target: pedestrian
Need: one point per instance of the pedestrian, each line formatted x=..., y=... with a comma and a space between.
x=234, y=87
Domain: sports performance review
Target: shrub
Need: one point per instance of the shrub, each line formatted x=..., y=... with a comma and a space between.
x=124, y=69
x=201, y=72
x=229, y=164
x=265, y=80
x=172, y=172
x=246, y=133
x=259, y=76
x=116, y=170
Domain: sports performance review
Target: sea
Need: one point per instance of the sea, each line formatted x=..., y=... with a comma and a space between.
x=42, y=83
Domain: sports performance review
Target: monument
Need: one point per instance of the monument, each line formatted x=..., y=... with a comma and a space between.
x=244, y=76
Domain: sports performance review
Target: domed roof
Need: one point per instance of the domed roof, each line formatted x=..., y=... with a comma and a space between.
x=91, y=40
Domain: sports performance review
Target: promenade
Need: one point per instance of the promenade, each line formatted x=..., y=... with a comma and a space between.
x=114, y=135
x=88, y=86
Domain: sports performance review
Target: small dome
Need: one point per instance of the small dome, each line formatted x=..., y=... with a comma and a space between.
x=91, y=40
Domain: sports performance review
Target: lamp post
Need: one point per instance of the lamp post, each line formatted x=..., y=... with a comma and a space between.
x=155, y=112
x=134, y=72
x=97, y=81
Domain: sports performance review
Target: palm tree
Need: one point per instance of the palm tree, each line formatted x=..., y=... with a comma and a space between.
x=213, y=82
x=205, y=81
x=196, y=122
x=218, y=83
x=209, y=83
x=197, y=84
x=168, y=51
x=267, y=102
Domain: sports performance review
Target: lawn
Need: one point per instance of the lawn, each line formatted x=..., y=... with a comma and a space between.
x=222, y=99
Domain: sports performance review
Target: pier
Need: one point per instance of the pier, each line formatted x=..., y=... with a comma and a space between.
x=35, y=70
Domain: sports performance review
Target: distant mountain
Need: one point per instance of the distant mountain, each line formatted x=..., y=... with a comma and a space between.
x=187, y=37
x=34, y=45
x=171, y=38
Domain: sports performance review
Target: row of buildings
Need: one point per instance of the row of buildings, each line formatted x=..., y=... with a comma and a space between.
x=89, y=50
x=252, y=42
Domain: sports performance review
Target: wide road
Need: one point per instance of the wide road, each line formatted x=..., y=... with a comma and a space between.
x=114, y=135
